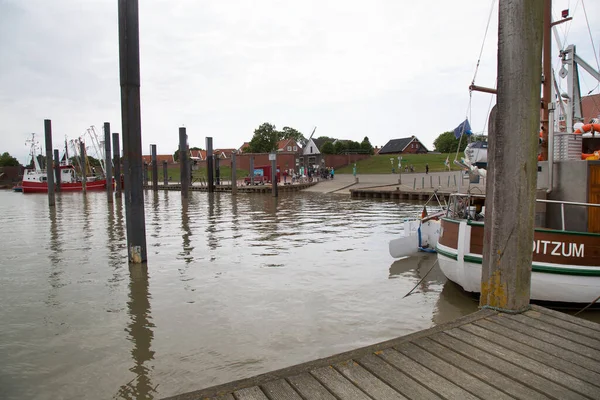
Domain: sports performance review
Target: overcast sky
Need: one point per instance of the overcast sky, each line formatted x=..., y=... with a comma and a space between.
x=381, y=68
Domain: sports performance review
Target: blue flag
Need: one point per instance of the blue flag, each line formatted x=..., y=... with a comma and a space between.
x=464, y=127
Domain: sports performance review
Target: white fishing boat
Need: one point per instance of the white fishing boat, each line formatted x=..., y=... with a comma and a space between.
x=566, y=246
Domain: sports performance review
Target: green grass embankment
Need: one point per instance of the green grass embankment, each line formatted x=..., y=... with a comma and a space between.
x=380, y=164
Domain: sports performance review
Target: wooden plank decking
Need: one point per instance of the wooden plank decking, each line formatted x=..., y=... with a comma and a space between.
x=540, y=354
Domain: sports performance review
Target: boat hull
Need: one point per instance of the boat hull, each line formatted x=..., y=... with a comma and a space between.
x=42, y=187
x=565, y=267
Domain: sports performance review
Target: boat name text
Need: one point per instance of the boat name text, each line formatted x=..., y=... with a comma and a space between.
x=560, y=249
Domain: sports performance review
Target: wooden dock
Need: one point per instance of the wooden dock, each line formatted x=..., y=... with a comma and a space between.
x=241, y=189
x=540, y=354
x=396, y=193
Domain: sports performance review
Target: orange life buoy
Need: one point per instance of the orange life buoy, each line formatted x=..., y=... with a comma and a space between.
x=588, y=128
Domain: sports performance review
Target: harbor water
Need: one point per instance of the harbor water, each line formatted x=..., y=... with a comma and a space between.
x=234, y=286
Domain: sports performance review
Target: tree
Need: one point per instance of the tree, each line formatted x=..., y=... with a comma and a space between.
x=340, y=147
x=196, y=148
x=6, y=160
x=366, y=145
x=265, y=139
x=326, y=139
x=291, y=133
x=327, y=148
x=448, y=143
x=176, y=156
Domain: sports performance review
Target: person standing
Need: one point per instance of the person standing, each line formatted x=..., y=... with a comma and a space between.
x=332, y=172
x=426, y=168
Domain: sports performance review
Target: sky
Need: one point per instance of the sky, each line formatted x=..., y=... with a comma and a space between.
x=383, y=69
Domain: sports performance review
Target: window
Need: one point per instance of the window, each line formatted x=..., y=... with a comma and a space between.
x=310, y=149
x=289, y=148
x=295, y=148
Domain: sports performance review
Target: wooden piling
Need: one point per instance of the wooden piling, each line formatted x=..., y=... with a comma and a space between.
x=209, y=164
x=165, y=173
x=56, y=171
x=273, y=158
x=117, y=162
x=183, y=163
x=129, y=65
x=154, y=167
x=423, y=182
x=83, y=160
x=430, y=181
x=512, y=165
x=49, y=174
x=108, y=162
x=233, y=175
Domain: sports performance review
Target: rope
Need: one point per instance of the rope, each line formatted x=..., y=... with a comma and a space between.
x=422, y=279
x=487, y=27
x=507, y=311
x=588, y=306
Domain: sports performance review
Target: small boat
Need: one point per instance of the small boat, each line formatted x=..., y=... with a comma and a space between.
x=419, y=234
x=18, y=187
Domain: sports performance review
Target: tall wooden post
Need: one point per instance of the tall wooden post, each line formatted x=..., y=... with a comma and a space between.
x=512, y=167
x=117, y=161
x=145, y=174
x=165, y=173
x=183, y=163
x=56, y=171
x=129, y=65
x=209, y=164
x=49, y=171
x=154, y=167
x=83, y=163
x=273, y=158
x=108, y=162
x=233, y=175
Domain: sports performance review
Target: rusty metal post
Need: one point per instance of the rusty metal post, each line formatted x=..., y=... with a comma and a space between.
x=108, y=162
x=209, y=164
x=512, y=162
x=56, y=171
x=184, y=173
x=129, y=65
x=273, y=158
x=251, y=170
x=217, y=171
x=49, y=172
x=165, y=173
x=233, y=175
x=83, y=166
x=117, y=162
x=154, y=167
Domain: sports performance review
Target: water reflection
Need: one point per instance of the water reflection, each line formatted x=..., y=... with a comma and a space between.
x=187, y=248
x=140, y=334
x=211, y=228
x=54, y=278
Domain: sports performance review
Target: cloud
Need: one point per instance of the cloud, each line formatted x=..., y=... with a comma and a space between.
x=382, y=69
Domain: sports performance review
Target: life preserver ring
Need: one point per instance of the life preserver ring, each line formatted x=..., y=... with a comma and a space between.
x=587, y=128
x=594, y=156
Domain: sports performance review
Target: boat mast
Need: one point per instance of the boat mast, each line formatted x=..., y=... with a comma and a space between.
x=547, y=73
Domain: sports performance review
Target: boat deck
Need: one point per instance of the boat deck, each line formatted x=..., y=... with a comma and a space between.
x=539, y=354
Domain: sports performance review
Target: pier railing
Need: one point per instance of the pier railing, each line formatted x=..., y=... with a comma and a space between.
x=568, y=203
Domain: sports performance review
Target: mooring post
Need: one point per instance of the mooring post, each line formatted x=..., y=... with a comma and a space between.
x=49, y=170
x=184, y=174
x=251, y=170
x=108, y=162
x=439, y=181
x=56, y=171
x=423, y=182
x=154, y=167
x=431, y=181
x=448, y=180
x=165, y=173
x=273, y=158
x=233, y=175
x=83, y=166
x=415, y=184
x=209, y=164
x=512, y=162
x=129, y=65
x=117, y=161
x=217, y=171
